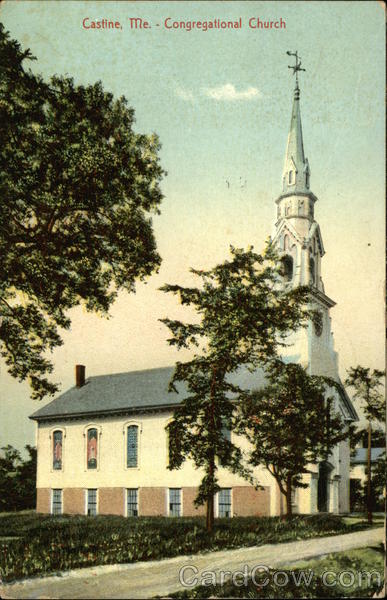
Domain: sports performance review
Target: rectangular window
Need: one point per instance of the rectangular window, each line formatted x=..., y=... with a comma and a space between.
x=132, y=502
x=224, y=503
x=174, y=502
x=132, y=448
x=56, y=502
x=91, y=503
x=57, y=450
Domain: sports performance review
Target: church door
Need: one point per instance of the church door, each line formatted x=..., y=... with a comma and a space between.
x=323, y=482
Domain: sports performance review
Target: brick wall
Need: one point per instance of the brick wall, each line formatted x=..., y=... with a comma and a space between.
x=250, y=502
x=189, y=509
x=152, y=501
x=43, y=500
x=74, y=501
x=111, y=501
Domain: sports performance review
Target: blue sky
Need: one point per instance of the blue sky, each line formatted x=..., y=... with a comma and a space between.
x=220, y=102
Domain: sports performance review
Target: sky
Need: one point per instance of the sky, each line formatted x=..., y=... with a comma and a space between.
x=220, y=101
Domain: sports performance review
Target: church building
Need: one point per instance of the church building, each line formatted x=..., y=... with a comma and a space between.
x=102, y=445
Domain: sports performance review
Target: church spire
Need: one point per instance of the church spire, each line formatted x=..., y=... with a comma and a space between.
x=296, y=173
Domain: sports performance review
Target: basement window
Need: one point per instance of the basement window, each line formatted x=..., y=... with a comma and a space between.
x=174, y=502
x=224, y=503
x=91, y=503
x=57, y=505
x=132, y=502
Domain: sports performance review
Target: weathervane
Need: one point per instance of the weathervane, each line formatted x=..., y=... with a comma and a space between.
x=297, y=66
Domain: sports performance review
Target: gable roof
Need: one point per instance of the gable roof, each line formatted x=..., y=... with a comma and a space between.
x=140, y=391
x=136, y=391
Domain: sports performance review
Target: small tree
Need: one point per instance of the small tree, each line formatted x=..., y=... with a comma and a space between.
x=78, y=187
x=367, y=386
x=245, y=316
x=290, y=424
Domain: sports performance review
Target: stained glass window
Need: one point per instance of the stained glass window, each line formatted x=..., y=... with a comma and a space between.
x=92, y=448
x=132, y=446
x=57, y=450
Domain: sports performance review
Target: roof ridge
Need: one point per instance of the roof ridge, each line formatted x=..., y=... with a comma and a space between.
x=129, y=372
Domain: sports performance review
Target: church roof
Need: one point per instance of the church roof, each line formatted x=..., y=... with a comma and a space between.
x=360, y=457
x=135, y=391
x=138, y=392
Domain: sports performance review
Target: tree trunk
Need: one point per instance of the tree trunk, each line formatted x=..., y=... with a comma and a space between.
x=289, y=497
x=211, y=460
x=281, y=506
x=369, y=498
x=210, y=514
x=289, y=512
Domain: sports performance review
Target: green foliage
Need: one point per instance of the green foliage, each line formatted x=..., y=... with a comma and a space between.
x=290, y=424
x=359, y=438
x=17, y=479
x=245, y=316
x=366, y=385
x=45, y=544
x=367, y=388
x=77, y=188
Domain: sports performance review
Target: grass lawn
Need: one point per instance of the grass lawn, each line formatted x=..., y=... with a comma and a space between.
x=340, y=565
x=33, y=544
x=377, y=520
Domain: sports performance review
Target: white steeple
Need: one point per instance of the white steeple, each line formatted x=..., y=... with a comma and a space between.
x=297, y=233
x=296, y=173
x=299, y=241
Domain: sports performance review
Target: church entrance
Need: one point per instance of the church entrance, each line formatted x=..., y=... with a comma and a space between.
x=324, y=471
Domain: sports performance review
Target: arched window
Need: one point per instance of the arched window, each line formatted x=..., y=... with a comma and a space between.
x=311, y=270
x=92, y=448
x=287, y=267
x=286, y=242
x=291, y=180
x=307, y=179
x=132, y=446
x=57, y=450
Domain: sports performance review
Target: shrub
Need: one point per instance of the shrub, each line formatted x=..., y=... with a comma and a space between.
x=46, y=544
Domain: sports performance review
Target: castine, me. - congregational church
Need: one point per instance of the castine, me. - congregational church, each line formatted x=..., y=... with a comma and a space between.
x=102, y=446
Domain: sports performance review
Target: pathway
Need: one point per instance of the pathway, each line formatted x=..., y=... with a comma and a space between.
x=147, y=579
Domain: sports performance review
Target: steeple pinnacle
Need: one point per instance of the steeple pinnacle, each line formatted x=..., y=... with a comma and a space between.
x=296, y=172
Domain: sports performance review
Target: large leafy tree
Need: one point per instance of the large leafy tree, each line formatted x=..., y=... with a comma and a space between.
x=17, y=479
x=290, y=424
x=367, y=388
x=244, y=316
x=77, y=190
